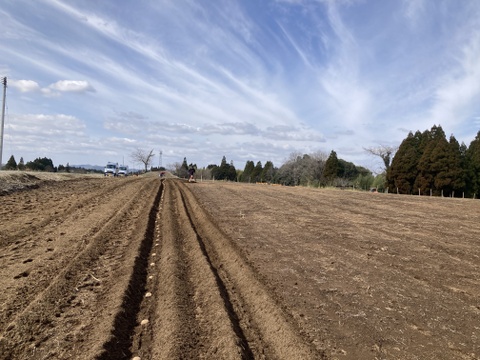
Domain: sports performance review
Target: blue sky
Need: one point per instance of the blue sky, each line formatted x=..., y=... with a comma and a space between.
x=91, y=81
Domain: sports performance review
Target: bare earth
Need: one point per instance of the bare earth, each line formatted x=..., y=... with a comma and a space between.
x=118, y=268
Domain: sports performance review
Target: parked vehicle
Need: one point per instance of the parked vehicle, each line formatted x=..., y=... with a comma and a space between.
x=123, y=170
x=111, y=169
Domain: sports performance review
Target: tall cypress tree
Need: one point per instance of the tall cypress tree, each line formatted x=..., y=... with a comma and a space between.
x=332, y=167
x=403, y=170
x=473, y=167
x=247, y=172
x=450, y=175
x=257, y=172
x=21, y=164
x=11, y=164
x=268, y=172
x=433, y=161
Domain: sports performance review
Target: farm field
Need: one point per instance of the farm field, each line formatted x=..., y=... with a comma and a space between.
x=139, y=267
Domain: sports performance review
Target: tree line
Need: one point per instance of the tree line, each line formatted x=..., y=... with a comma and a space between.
x=39, y=164
x=316, y=170
x=43, y=164
x=426, y=163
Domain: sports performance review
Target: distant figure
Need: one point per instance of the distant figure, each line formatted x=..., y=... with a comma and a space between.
x=191, y=172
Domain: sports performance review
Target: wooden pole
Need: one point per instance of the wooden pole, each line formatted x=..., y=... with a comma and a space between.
x=4, y=81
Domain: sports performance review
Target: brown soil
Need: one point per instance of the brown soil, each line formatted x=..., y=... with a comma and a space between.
x=118, y=268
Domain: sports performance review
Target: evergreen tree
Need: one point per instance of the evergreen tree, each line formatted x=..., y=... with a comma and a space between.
x=464, y=166
x=451, y=176
x=247, y=172
x=231, y=172
x=347, y=170
x=21, y=164
x=332, y=167
x=403, y=171
x=434, y=160
x=41, y=164
x=257, y=172
x=472, y=167
x=268, y=172
x=183, y=173
x=11, y=164
x=225, y=171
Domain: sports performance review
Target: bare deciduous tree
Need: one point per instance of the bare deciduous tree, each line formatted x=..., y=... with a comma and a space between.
x=142, y=156
x=385, y=152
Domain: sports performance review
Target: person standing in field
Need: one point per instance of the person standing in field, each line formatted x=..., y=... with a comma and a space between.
x=191, y=172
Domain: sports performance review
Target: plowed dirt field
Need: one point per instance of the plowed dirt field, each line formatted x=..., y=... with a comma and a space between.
x=149, y=268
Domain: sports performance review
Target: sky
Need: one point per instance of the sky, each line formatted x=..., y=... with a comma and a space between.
x=260, y=80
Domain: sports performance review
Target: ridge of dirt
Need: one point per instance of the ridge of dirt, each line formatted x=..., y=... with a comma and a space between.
x=13, y=181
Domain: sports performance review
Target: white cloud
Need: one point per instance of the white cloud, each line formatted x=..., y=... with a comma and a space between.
x=77, y=86
x=52, y=90
x=24, y=85
x=44, y=125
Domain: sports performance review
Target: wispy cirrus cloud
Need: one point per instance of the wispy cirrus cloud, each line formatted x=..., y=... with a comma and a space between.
x=239, y=78
x=458, y=91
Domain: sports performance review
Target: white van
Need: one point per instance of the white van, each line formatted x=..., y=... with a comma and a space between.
x=111, y=169
x=123, y=170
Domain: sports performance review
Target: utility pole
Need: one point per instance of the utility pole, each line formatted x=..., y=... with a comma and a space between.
x=160, y=160
x=4, y=81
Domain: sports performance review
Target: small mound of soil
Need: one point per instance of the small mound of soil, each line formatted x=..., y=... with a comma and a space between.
x=12, y=182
